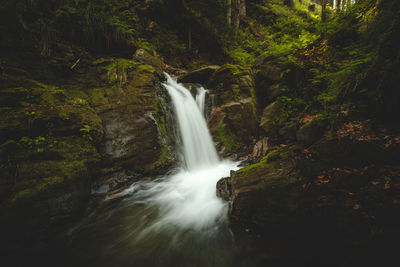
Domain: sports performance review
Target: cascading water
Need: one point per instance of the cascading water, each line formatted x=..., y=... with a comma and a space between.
x=201, y=99
x=198, y=149
x=176, y=220
x=188, y=197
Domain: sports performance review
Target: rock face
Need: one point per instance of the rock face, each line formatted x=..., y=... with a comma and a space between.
x=133, y=119
x=199, y=76
x=224, y=189
x=233, y=118
x=110, y=117
x=260, y=149
x=327, y=199
x=270, y=118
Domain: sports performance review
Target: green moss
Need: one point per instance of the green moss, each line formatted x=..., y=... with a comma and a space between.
x=273, y=170
x=163, y=158
x=226, y=139
x=46, y=185
x=117, y=69
x=145, y=68
x=271, y=157
x=98, y=99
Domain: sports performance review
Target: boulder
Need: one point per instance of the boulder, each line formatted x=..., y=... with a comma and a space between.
x=233, y=117
x=145, y=57
x=326, y=199
x=270, y=118
x=112, y=118
x=311, y=132
x=230, y=83
x=133, y=115
x=260, y=149
x=199, y=76
x=234, y=127
x=287, y=132
x=268, y=83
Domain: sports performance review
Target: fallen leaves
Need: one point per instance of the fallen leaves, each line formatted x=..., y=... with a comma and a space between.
x=386, y=186
x=309, y=118
x=356, y=130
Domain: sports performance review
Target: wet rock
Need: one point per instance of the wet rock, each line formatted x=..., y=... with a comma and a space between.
x=233, y=117
x=224, y=188
x=110, y=118
x=134, y=122
x=113, y=182
x=199, y=76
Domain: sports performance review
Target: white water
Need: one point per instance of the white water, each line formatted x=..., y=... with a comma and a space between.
x=197, y=146
x=201, y=99
x=176, y=220
x=187, y=198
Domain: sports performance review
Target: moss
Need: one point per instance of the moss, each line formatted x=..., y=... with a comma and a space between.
x=117, y=69
x=163, y=159
x=271, y=157
x=226, y=138
x=97, y=98
x=45, y=185
x=272, y=171
x=145, y=68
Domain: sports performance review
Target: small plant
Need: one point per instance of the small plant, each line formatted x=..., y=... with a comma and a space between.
x=37, y=143
x=85, y=130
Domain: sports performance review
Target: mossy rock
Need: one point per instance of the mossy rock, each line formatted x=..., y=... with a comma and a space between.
x=312, y=131
x=230, y=83
x=272, y=170
x=280, y=208
x=233, y=126
x=130, y=114
x=201, y=75
x=271, y=118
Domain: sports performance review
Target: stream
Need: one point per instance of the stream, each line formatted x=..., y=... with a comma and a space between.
x=173, y=220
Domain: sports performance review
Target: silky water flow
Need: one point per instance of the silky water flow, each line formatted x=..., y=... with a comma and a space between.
x=175, y=220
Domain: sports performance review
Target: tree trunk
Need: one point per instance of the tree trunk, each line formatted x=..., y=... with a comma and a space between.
x=334, y=5
x=229, y=11
x=190, y=37
x=323, y=10
x=242, y=9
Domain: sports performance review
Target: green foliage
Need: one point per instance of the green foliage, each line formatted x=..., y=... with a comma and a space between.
x=291, y=106
x=240, y=56
x=117, y=69
x=86, y=130
x=38, y=143
x=282, y=31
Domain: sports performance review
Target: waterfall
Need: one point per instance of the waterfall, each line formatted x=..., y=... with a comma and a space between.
x=187, y=199
x=198, y=148
x=172, y=220
x=201, y=99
